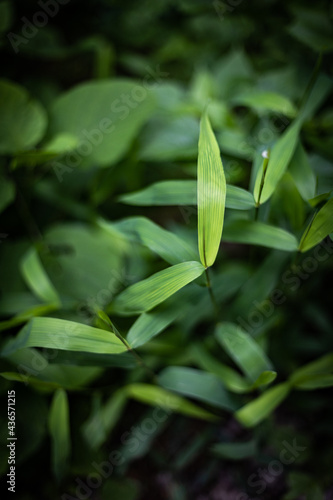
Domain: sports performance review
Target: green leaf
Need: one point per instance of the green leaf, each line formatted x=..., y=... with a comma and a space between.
x=315, y=382
x=313, y=28
x=37, y=279
x=148, y=325
x=167, y=245
x=24, y=316
x=211, y=194
x=318, y=373
x=7, y=193
x=181, y=193
x=78, y=248
x=146, y=294
x=261, y=100
x=60, y=433
x=235, y=451
x=103, y=419
x=258, y=233
x=265, y=378
x=156, y=396
x=104, y=125
x=171, y=139
x=61, y=334
x=229, y=377
x=278, y=162
x=243, y=349
x=23, y=120
x=33, y=367
x=257, y=410
x=197, y=385
x=302, y=173
x=320, y=227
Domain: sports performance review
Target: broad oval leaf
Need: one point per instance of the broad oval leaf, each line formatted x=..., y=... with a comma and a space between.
x=159, y=397
x=211, y=194
x=320, y=227
x=96, y=114
x=150, y=292
x=61, y=334
x=23, y=120
x=258, y=233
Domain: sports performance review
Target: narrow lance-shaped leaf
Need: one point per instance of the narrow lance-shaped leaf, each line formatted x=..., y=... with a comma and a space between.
x=198, y=385
x=57, y=333
x=278, y=162
x=320, y=227
x=184, y=192
x=302, y=173
x=148, y=325
x=169, y=246
x=170, y=402
x=211, y=194
x=60, y=433
x=37, y=279
x=257, y=410
x=150, y=292
x=318, y=373
x=258, y=233
x=243, y=349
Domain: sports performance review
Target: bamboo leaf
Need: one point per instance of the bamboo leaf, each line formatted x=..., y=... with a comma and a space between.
x=302, y=173
x=184, y=192
x=150, y=324
x=156, y=396
x=261, y=100
x=146, y=294
x=312, y=371
x=232, y=380
x=235, y=451
x=260, y=408
x=197, y=384
x=167, y=245
x=258, y=233
x=61, y=334
x=244, y=350
x=37, y=279
x=60, y=433
x=211, y=194
x=320, y=227
x=279, y=160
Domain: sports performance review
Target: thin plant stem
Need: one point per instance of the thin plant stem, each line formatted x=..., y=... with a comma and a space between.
x=211, y=294
x=111, y=327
